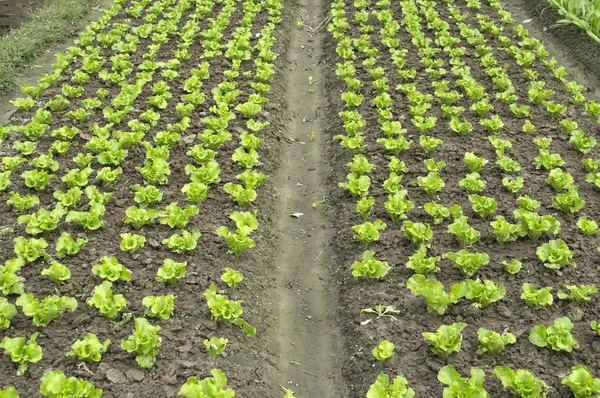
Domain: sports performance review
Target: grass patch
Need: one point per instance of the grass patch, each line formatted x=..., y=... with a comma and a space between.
x=52, y=23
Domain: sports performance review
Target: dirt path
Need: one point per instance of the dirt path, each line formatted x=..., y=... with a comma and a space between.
x=306, y=334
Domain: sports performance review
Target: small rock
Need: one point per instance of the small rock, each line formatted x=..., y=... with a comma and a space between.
x=188, y=139
x=504, y=311
x=102, y=369
x=115, y=376
x=135, y=374
x=153, y=243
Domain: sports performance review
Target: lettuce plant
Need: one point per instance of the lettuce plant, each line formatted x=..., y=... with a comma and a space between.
x=512, y=267
x=570, y=201
x=70, y=198
x=159, y=306
x=241, y=195
x=215, y=346
x=90, y=220
x=194, y=388
x=7, y=311
x=446, y=340
x=472, y=183
x=513, y=184
x=581, y=382
x=132, y=242
x=467, y=262
x=383, y=389
x=360, y=165
x=397, y=205
x=521, y=383
x=369, y=267
x=138, y=217
x=437, y=211
x=10, y=282
x=557, y=337
x=22, y=203
x=393, y=183
x=187, y=241
x=77, y=177
x=555, y=254
x=483, y=206
x=66, y=245
x=364, y=207
x=431, y=183
x=30, y=250
x=587, y=226
x=21, y=351
x=421, y=264
x=433, y=292
x=37, y=179
x=108, y=304
x=577, y=293
x=42, y=220
x=89, y=349
x=42, y=312
x=109, y=269
x=57, y=272
x=384, y=350
x=464, y=233
x=231, y=277
x=9, y=392
x=493, y=342
x=195, y=191
x=533, y=225
x=171, y=271
x=418, y=233
x=537, y=297
x=225, y=310
x=559, y=180
x=368, y=232
x=462, y=387
x=357, y=185
x=177, y=217
x=483, y=293
x=474, y=163
x=54, y=384
x=504, y=231
x=146, y=195
x=144, y=341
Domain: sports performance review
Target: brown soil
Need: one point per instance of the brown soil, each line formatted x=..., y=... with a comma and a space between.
x=14, y=12
x=307, y=333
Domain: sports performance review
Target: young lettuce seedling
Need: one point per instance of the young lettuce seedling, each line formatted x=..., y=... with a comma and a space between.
x=446, y=340
x=521, y=383
x=144, y=341
x=557, y=337
x=581, y=382
x=215, y=346
x=89, y=348
x=216, y=384
x=459, y=386
x=22, y=352
x=54, y=384
x=493, y=342
x=384, y=350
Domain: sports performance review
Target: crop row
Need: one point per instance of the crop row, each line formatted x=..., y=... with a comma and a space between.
x=459, y=89
x=103, y=152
